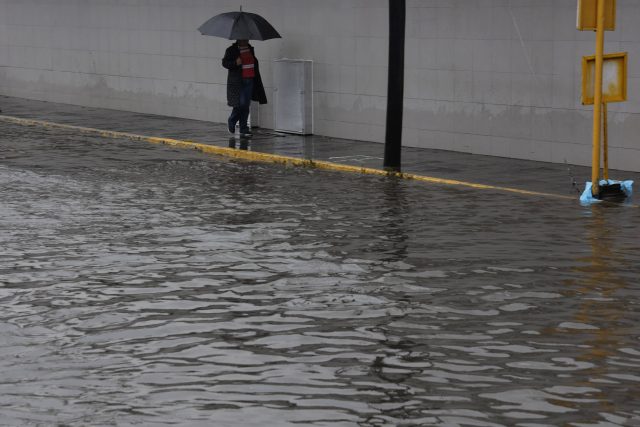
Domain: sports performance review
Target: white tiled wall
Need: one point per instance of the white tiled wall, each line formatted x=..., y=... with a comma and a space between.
x=502, y=77
x=498, y=77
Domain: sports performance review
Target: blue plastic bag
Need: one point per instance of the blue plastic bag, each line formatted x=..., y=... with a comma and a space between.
x=587, y=198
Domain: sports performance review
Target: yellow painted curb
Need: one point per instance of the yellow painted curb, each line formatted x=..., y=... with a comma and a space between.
x=274, y=158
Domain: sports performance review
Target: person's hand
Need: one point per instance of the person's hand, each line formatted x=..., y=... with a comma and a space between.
x=238, y=61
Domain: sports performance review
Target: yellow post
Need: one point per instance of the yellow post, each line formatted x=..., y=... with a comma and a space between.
x=605, y=142
x=597, y=100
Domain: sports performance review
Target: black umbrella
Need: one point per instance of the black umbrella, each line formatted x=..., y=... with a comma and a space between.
x=239, y=26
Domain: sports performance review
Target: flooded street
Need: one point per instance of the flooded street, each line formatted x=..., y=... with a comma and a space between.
x=142, y=285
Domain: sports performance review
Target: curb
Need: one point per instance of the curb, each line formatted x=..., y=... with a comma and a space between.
x=274, y=158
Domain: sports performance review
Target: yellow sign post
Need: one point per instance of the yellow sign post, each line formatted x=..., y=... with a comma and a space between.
x=599, y=15
x=597, y=99
x=614, y=82
x=614, y=89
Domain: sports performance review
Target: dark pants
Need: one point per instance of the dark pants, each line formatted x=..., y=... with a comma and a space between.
x=241, y=112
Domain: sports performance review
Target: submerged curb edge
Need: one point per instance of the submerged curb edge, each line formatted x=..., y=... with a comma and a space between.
x=274, y=158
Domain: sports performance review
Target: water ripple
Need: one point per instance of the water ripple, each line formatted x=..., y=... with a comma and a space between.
x=149, y=286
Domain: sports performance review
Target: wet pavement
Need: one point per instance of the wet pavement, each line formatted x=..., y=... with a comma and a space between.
x=146, y=285
x=521, y=174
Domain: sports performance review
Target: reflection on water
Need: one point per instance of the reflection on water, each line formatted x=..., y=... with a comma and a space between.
x=144, y=285
x=239, y=143
x=599, y=321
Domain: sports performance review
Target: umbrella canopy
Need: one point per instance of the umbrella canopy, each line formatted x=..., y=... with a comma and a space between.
x=239, y=26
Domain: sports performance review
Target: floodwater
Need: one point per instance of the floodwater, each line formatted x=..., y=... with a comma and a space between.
x=141, y=285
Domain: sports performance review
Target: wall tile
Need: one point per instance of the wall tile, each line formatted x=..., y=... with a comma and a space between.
x=486, y=76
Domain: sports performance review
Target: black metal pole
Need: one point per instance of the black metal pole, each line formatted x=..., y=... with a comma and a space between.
x=395, y=91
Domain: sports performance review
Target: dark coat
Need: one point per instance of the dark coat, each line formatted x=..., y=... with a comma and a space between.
x=234, y=79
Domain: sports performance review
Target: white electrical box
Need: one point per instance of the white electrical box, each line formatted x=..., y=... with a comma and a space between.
x=293, y=96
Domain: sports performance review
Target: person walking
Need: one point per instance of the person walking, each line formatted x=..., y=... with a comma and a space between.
x=244, y=84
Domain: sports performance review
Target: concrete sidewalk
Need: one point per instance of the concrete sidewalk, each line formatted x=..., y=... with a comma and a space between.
x=495, y=171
